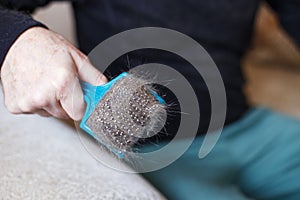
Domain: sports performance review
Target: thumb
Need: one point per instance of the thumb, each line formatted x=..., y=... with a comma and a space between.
x=87, y=72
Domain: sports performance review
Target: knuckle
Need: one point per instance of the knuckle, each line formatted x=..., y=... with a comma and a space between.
x=39, y=100
x=11, y=106
x=24, y=106
x=12, y=109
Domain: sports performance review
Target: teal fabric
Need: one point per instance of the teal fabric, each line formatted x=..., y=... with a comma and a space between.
x=258, y=157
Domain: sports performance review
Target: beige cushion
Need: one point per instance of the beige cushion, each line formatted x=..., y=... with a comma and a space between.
x=43, y=158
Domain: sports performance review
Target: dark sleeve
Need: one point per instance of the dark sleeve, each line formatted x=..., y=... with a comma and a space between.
x=23, y=5
x=289, y=15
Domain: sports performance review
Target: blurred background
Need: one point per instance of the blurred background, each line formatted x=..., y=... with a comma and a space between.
x=271, y=66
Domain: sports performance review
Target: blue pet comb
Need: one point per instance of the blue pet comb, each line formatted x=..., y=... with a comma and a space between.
x=93, y=96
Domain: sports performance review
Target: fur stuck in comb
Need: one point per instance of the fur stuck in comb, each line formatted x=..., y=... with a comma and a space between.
x=122, y=111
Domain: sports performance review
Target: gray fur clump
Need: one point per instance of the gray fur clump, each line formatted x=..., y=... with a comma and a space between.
x=128, y=112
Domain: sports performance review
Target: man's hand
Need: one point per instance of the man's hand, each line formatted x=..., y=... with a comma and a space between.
x=41, y=73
